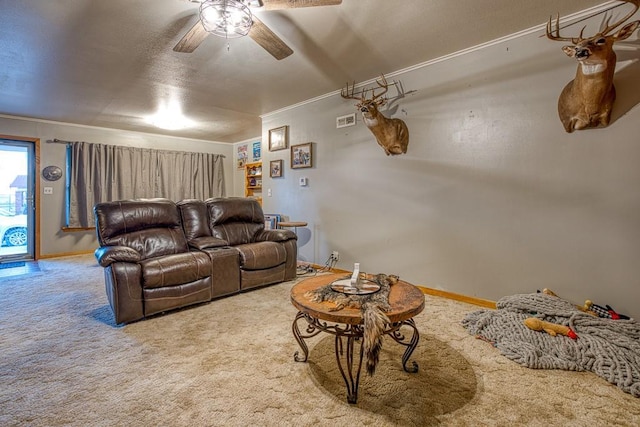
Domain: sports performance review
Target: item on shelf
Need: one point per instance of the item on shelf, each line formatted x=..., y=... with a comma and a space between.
x=253, y=181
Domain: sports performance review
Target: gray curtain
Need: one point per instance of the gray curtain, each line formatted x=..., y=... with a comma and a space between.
x=100, y=173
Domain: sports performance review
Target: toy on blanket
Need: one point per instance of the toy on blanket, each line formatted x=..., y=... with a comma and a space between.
x=593, y=309
x=581, y=308
x=551, y=328
x=607, y=313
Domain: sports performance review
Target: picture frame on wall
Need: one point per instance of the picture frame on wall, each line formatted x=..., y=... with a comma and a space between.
x=242, y=156
x=257, y=147
x=301, y=156
x=275, y=168
x=279, y=138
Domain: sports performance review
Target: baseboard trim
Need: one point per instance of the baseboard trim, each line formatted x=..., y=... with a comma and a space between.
x=428, y=291
x=63, y=254
x=458, y=297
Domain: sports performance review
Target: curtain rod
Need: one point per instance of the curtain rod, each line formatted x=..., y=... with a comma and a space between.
x=58, y=141
x=61, y=141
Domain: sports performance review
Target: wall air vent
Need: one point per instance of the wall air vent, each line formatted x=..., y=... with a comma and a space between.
x=344, y=121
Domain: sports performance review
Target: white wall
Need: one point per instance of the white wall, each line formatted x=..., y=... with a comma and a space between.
x=492, y=198
x=53, y=241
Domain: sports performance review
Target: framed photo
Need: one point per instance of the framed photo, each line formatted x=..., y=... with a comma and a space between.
x=275, y=168
x=301, y=156
x=256, y=151
x=279, y=138
x=242, y=156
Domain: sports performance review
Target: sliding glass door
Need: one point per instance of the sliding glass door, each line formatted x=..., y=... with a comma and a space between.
x=17, y=206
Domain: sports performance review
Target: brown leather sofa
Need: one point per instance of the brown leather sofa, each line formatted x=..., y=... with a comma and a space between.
x=160, y=255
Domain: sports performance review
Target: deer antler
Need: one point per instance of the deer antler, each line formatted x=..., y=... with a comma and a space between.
x=349, y=94
x=554, y=34
x=611, y=27
x=383, y=84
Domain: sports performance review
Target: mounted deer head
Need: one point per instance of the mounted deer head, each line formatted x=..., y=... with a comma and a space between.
x=587, y=100
x=392, y=134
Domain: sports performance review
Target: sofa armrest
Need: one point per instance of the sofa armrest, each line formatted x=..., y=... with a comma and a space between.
x=275, y=235
x=110, y=254
x=207, y=242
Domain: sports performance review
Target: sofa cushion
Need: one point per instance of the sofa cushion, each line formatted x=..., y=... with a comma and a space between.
x=195, y=219
x=235, y=219
x=261, y=255
x=152, y=227
x=175, y=269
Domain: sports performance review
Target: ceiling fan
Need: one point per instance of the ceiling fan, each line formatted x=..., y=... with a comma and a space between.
x=258, y=31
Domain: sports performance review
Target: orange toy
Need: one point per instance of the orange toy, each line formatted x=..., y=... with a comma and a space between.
x=551, y=328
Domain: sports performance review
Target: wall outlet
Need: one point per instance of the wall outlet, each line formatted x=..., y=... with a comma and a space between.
x=335, y=255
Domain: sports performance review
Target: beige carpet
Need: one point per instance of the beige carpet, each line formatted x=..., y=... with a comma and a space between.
x=230, y=363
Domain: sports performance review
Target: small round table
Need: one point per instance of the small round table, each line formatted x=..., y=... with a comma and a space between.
x=294, y=224
x=405, y=299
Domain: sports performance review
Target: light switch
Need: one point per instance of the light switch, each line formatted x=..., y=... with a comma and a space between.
x=303, y=182
x=47, y=190
x=268, y=192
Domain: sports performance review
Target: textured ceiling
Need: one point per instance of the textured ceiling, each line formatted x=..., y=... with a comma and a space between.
x=111, y=64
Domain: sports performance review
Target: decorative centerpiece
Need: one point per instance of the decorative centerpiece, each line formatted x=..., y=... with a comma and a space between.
x=358, y=284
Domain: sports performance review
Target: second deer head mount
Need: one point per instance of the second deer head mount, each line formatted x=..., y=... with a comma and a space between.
x=587, y=100
x=392, y=134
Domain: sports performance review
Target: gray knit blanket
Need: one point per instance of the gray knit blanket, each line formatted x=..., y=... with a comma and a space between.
x=608, y=348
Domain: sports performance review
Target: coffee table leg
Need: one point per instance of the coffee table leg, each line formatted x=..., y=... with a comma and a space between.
x=411, y=345
x=348, y=376
x=311, y=331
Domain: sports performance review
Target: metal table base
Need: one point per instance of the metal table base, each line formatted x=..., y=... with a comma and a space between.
x=350, y=364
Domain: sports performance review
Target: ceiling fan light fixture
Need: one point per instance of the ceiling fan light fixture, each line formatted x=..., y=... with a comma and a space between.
x=226, y=18
x=170, y=117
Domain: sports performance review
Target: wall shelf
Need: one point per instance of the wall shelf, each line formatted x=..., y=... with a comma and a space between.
x=253, y=181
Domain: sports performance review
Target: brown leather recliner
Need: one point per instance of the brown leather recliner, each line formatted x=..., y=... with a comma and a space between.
x=265, y=256
x=159, y=255
x=148, y=266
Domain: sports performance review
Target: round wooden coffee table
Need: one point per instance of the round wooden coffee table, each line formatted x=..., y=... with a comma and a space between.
x=405, y=299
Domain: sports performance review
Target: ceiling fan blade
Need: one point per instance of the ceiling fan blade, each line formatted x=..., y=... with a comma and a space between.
x=291, y=4
x=190, y=41
x=266, y=38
